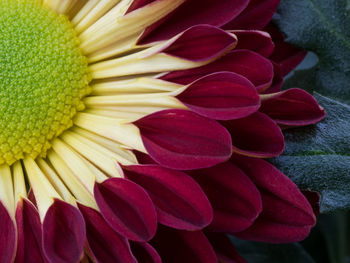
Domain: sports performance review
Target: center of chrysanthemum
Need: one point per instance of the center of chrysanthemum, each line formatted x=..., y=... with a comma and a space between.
x=43, y=77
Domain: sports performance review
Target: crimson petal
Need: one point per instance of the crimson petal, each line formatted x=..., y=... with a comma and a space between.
x=7, y=236
x=234, y=197
x=176, y=246
x=179, y=200
x=224, y=249
x=127, y=208
x=285, y=55
x=221, y=96
x=143, y=158
x=29, y=243
x=287, y=215
x=201, y=43
x=255, y=40
x=183, y=140
x=105, y=245
x=145, y=253
x=136, y=4
x=293, y=107
x=314, y=200
x=193, y=12
x=256, y=135
x=63, y=233
x=249, y=64
x=277, y=81
x=255, y=16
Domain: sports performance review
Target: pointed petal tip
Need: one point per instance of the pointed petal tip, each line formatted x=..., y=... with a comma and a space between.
x=235, y=199
x=221, y=96
x=256, y=135
x=63, y=233
x=293, y=107
x=8, y=235
x=201, y=43
x=29, y=231
x=179, y=200
x=127, y=208
x=184, y=140
x=104, y=244
x=287, y=215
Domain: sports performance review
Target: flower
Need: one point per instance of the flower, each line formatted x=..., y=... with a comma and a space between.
x=124, y=122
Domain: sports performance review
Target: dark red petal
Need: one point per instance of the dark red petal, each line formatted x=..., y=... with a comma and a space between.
x=182, y=139
x=235, y=199
x=249, y=64
x=63, y=233
x=277, y=81
x=201, y=43
x=255, y=40
x=179, y=200
x=314, y=200
x=224, y=249
x=145, y=253
x=7, y=236
x=31, y=197
x=29, y=233
x=143, y=158
x=285, y=54
x=257, y=15
x=127, y=208
x=293, y=107
x=256, y=135
x=194, y=12
x=105, y=245
x=221, y=96
x=287, y=215
x=136, y=4
x=175, y=246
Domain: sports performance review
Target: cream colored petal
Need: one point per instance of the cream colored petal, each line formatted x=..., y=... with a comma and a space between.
x=107, y=143
x=118, y=130
x=18, y=181
x=75, y=163
x=117, y=48
x=130, y=116
x=98, y=155
x=158, y=100
x=44, y=192
x=94, y=14
x=81, y=193
x=89, y=5
x=55, y=181
x=139, y=63
x=134, y=86
x=116, y=29
x=7, y=197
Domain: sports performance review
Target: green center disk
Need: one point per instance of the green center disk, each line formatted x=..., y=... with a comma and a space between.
x=43, y=78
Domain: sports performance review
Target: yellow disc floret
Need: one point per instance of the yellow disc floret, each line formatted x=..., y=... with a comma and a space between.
x=43, y=77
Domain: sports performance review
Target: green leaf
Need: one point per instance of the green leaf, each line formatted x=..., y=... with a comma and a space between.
x=318, y=157
x=270, y=253
x=322, y=26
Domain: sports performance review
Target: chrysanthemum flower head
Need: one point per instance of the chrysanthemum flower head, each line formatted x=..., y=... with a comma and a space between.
x=127, y=127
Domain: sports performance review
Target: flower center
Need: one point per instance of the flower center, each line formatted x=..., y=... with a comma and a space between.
x=43, y=77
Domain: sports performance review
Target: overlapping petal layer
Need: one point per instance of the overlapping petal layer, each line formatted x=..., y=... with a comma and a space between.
x=179, y=200
x=295, y=216
x=182, y=92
